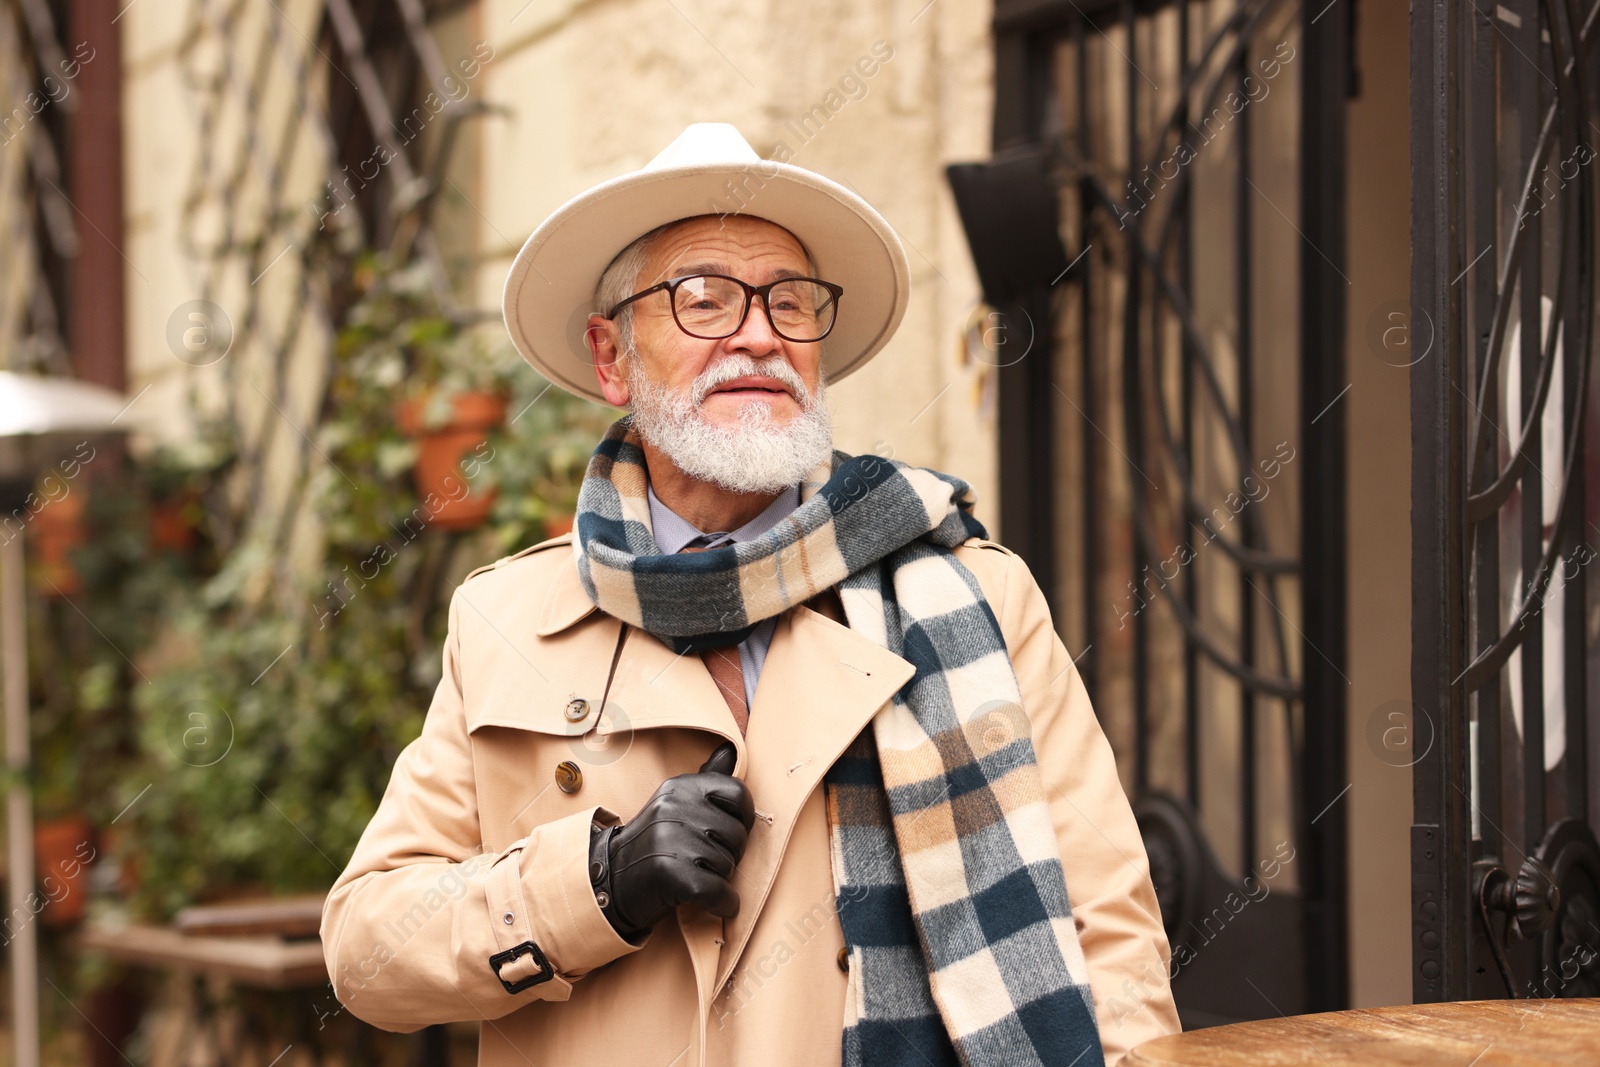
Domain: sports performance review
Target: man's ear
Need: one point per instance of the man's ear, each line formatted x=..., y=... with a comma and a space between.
x=605, y=348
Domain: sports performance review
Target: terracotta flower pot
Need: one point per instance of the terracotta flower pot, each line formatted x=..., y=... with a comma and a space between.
x=172, y=527
x=448, y=500
x=54, y=532
x=63, y=849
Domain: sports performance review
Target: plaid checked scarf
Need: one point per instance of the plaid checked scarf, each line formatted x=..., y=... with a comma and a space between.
x=947, y=876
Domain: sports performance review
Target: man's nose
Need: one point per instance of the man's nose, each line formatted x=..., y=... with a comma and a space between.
x=756, y=335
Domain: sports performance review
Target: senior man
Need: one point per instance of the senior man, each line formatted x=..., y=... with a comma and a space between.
x=778, y=758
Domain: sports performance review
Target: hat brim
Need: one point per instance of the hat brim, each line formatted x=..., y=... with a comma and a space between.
x=549, y=293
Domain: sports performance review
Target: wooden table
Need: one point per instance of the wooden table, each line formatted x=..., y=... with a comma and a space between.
x=254, y=944
x=207, y=1027
x=263, y=962
x=1482, y=1033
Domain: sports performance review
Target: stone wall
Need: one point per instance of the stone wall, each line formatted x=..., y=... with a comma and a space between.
x=583, y=90
x=597, y=88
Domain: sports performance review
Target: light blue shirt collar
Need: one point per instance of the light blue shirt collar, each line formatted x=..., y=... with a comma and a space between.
x=672, y=531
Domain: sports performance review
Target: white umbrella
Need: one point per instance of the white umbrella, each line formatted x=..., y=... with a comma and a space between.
x=42, y=420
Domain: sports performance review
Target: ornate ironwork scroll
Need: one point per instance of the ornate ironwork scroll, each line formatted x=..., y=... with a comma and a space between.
x=1195, y=345
x=1503, y=106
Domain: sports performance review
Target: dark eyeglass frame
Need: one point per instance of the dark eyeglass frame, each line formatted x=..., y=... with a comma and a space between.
x=750, y=293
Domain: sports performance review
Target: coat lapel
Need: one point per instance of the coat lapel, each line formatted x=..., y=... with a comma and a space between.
x=821, y=685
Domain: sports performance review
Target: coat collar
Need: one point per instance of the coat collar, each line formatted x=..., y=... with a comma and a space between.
x=842, y=652
x=566, y=601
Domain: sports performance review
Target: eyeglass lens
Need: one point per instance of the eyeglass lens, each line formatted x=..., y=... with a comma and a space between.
x=709, y=306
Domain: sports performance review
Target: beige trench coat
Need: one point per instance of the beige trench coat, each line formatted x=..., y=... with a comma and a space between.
x=476, y=849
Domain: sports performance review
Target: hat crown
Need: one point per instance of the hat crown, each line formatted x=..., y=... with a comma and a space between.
x=702, y=144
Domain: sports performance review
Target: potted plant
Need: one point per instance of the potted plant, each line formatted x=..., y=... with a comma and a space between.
x=63, y=848
x=56, y=531
x=447, y=427
x=175, y=523
x=306, y=696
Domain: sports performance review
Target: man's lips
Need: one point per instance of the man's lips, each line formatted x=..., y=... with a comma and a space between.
x=752, y=385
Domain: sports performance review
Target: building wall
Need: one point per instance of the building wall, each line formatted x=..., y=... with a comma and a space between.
x=1379, y=526
x=595, y=88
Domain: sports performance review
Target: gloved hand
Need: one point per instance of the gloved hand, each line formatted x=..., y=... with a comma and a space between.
x=680, y=849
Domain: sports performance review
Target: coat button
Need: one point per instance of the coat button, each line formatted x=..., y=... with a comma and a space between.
x=844, y=959
x=577, y=710
x=569, y=778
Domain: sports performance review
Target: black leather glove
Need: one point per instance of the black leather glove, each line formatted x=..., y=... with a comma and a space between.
x=680, y=849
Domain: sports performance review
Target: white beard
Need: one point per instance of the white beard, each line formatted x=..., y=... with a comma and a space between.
x=755, y=456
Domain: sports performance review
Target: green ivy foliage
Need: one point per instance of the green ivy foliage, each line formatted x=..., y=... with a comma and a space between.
x=270, y=703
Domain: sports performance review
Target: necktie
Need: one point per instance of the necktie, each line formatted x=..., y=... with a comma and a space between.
x=723, y=663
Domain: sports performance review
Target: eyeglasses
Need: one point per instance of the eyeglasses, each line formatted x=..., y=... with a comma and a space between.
x=714, y=306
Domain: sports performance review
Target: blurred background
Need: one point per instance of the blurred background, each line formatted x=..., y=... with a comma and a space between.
x=1165, y=276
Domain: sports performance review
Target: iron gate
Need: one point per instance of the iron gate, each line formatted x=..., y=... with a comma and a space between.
x=1173, y=404
x=1505, y=868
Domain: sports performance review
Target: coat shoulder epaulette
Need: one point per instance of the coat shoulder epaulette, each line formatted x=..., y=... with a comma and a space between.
x=983, y=542
x=554, y=542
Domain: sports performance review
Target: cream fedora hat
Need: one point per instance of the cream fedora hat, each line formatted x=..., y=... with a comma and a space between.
x=708, y=170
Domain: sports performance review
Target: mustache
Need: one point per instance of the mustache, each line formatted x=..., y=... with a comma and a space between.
x=730, y=367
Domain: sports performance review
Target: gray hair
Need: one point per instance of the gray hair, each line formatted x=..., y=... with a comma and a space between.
x=621, y=280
